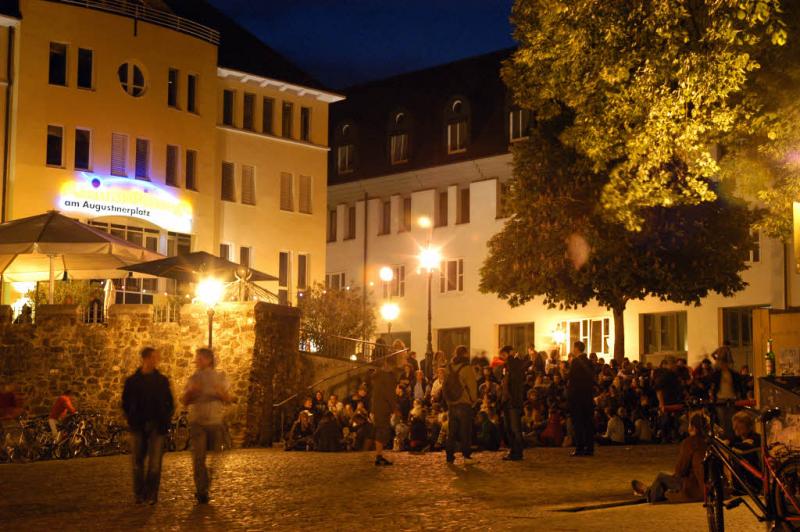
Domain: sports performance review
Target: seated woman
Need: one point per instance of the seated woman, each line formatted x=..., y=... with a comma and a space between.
x=488, y=437
x=360, y=434
x=418, y=430
x=553, y=433
x=615, y=430
x=327, y=437
x=301, y=435
x=746, y=443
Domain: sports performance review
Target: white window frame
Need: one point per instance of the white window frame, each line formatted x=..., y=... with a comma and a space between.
x=515, y=117
x=445, y=278
x=340, y=276
x=344, y=158
x=398, y=147
x=458, y=129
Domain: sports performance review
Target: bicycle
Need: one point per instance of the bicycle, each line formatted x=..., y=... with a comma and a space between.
x=775, y=502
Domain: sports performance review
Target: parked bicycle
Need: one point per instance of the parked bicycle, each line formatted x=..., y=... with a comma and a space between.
x=775, y=501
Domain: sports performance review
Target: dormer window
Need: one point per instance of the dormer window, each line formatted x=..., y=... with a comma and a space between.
x=457, y=117
x=345, y=151
x=398, y=138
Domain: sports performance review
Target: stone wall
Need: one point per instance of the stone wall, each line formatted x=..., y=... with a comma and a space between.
x=252, y=342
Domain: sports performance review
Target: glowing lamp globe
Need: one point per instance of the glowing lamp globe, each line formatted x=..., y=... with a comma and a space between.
x=386, y=274
x=209, y=291
x=390, y=311
x=424, y=222
x=429, y=258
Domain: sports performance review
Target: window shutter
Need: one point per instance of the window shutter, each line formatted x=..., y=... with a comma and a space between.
x=119, y=154
x=287, y=195
x=305, y=194
x=171, y=175
x=248, y=184
x=191, y=169
x=142, y=159
x=228, y=186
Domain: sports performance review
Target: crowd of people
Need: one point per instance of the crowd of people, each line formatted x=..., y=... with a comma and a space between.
x=521, y=400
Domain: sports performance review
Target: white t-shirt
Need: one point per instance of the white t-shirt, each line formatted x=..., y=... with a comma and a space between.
x=207, y=408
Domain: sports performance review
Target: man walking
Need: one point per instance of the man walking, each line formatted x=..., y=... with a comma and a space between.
x=580, y=396
x=148, y=406
x=383, y=403
x=206, y=393
x=512, y=398
x=460, y=390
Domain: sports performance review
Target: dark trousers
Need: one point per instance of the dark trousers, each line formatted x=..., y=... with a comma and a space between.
x=147, y=451
x=583, y=425
x=513, y=421
x=459, y=429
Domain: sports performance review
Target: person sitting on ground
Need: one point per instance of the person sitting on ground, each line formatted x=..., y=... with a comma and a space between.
x=301, y=435
x=320, y=405
x=400, y=428
x=488, y=435
x=420, y=386
x=436, y=387
x=418, y=430
x=361, y=431
x=746, y=443
x=553, y=433
x=327, y=437
x=642, y=431
x=687, y=482
x=615, y=430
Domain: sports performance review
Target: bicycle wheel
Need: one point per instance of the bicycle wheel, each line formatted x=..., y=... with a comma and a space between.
x=715, y=496
x=787, y=516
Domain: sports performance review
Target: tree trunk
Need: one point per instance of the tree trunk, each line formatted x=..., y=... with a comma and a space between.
x=619, y=333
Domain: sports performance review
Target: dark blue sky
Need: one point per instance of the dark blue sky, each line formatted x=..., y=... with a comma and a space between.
x=343, y=42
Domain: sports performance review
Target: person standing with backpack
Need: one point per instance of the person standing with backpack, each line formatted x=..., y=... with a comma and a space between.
x=460, y=390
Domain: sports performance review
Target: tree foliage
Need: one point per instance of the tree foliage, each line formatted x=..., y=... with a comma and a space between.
x=653, y=86
x=560, y=246
x=330, y=313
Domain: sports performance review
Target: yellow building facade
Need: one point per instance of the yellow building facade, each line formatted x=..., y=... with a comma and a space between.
x=125, y=116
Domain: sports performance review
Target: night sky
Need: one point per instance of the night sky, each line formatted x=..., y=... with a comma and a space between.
x=344, y=42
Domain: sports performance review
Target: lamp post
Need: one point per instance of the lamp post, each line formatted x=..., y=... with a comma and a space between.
x=209, y=291
x=389, y=313
x=429, y=259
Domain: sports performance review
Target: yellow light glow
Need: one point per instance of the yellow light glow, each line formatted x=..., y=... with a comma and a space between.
x=353, y=357
x=429, y=258
x=209, y=291
x=559, y=336
x=424, y=222
x=23, y=287
x=386, y=274
x=390, y=311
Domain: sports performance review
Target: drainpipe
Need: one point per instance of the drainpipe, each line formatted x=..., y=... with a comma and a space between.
x=7, y=124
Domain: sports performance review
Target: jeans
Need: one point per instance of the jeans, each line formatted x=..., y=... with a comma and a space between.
x=204, y=438
x=663, y=483
x=459, y=430
x=148, y=446
x=513, y=423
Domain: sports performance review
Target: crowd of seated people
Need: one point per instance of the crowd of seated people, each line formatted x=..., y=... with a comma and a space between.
x=634, y=403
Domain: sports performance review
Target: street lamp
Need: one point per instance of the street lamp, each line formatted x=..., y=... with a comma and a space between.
x=209, y=291
x=429, y=259
x=389, y=313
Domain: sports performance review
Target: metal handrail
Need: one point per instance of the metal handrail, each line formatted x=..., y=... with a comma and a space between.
x=146, y=13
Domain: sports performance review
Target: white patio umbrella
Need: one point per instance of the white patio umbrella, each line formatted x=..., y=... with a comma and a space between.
x=43, y=247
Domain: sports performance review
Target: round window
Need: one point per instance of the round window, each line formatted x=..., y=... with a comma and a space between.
x=131, y=78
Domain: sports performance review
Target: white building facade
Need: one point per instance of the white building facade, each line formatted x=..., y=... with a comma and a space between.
x=397, y=157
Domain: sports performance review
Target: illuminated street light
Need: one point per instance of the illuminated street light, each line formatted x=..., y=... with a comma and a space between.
x=209, y=292
x=389, y=312
x=424, y=222
x=429, y=258
x=386, y=274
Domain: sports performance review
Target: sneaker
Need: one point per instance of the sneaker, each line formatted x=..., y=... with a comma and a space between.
x=512, y=458
x=381, y=461
x=638, y=488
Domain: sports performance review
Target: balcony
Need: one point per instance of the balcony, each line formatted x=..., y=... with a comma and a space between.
x=138, y=11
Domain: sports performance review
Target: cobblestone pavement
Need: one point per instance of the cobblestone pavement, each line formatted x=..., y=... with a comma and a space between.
x=262, y=489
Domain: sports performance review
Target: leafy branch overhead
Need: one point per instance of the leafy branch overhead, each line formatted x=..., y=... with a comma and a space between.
x=653, y=87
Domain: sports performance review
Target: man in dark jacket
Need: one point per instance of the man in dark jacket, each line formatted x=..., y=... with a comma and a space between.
x=148, y=406
x=512, y=398
x=580, y=397
x=384, y=402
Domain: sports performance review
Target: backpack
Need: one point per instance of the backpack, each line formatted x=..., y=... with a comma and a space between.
x=452, y=387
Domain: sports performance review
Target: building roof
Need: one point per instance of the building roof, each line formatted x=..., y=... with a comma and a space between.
x=239, y=49
x=423, y=97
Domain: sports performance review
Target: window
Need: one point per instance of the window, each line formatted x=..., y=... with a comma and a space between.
x=191, y=93
x=664, y=332
x=130, y=290
x=85, y=68
x=405, y=222
x=225, y=251
x=248, y=184
x=503, y=199
x=119, y=154
x=335, y=281
x=178, y=244
x=594, y=333
x=305, y=123
x=344, y=158
x=302, y=271
x=441, y=209
x=386, y=218
x=351, y=223
x=737, y=332
x=399, y=148
x=249, y=111
x=191, y=169
x=519, y=123
x=172, y=87
x=462, y=214
x=58, y=64
x=267, y=116
x=399, y=281
x=286, y=119
x=517, y=335
x=228, y=185
x=142, y=159
x=245, y=256
x=755, y=246
x=131, y=78
x=83, y=144
x=228, y=102
x=457, y=136
x=171, y=170
x=449, y=339
x=305, y=194
x=55, y=146
x=283, y=277
x=287, y=194
x=332, y=219
x=451, y=276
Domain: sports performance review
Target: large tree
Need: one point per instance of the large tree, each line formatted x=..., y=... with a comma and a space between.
x=653, y=85
x=560, y=246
